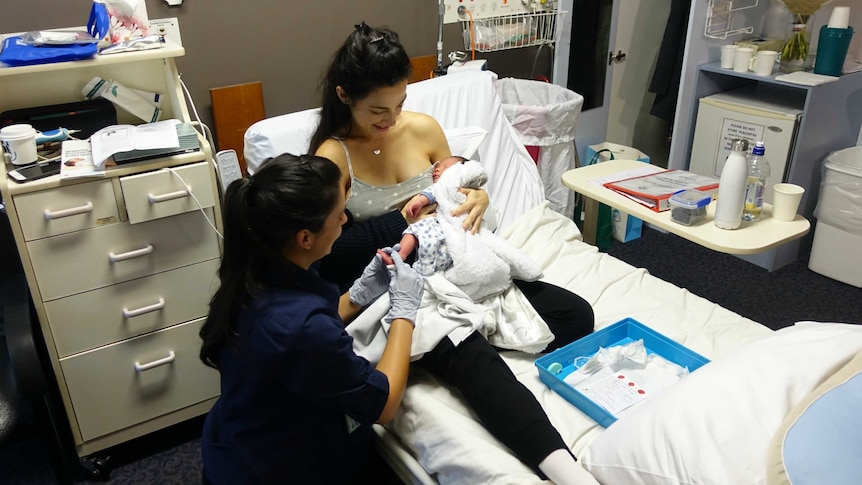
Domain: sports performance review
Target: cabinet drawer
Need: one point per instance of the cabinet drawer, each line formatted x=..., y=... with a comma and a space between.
x=85, y=260
x=107, y=315
x=69, y=209
x=112, y=387
x=161, y=193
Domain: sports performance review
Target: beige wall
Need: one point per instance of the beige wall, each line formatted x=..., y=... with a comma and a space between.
x=284, y=44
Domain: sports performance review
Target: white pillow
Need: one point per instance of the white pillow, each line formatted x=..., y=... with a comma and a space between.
x=465, y=141
x=715, y=426
x=292, y=132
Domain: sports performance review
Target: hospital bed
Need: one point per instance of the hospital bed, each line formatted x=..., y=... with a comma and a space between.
x=715, y=426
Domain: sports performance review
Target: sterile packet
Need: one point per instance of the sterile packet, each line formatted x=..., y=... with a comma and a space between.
x=58, y=37
x=136, y=44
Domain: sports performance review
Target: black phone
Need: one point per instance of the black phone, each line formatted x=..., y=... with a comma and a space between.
x=35, y=171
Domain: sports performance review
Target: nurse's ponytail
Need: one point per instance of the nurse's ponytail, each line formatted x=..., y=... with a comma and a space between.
x=261, y=214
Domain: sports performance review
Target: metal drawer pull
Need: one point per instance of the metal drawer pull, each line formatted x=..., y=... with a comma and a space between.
x=131, y=254
x=149, y=365
x=68, y=212
x=155, y=199
x=146, y=309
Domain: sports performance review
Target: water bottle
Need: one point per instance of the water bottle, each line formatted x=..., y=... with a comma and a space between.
x=731, y=187
x=758, y=172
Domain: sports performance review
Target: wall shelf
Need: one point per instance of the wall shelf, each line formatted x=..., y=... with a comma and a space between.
x=719, y=18
x=512, y=31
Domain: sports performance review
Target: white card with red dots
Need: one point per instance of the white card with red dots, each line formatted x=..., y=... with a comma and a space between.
x=615, y=392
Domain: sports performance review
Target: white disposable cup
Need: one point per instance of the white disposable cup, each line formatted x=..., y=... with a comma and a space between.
x=19, y=143
x=727, y=53
x=785, y=201
x=764, y=62
x=742, y=59
x=840, y=18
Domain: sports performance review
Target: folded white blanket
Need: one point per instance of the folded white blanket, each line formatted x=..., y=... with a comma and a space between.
x=507, y=320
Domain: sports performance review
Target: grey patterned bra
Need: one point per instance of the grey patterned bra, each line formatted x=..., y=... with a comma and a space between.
x=368, y=200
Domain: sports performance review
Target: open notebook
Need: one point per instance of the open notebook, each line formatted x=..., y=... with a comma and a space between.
x=188, y=138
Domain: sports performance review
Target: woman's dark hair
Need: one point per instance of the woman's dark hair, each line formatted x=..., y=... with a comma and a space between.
x=368, y=60
x=261, y=214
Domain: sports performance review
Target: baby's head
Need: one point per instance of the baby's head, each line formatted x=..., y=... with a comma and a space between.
x=442, y=165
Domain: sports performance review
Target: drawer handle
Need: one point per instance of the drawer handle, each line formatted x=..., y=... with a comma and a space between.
x=155, y=199
x=146, y=309
x=149, y=365
x=131, y=254
x=68, y=212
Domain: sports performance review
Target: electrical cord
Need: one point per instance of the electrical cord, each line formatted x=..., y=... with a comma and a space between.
x=472, y=39
x=535, y=61
x=200, y=206
x=207, y=133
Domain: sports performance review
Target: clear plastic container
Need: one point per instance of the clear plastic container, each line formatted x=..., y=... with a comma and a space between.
x=688, y=207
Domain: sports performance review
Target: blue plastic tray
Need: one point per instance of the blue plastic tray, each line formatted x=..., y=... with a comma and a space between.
x=620, y=333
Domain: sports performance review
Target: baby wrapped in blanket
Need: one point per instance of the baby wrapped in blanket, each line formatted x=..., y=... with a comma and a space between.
x=468, y=276
x=481, y=264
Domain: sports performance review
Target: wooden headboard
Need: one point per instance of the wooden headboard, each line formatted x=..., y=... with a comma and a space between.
x=235, y=108
x=423, y=67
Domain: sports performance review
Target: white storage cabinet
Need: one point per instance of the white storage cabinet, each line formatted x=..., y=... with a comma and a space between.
x=121, y=284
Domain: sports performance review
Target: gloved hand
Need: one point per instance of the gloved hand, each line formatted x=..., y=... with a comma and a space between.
x=405, y=290
x=372, y=283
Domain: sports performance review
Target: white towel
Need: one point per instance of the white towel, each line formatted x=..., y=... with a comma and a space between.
x=507, y=320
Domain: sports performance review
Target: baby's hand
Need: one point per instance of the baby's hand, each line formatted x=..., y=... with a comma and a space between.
x=387, y=259
x=415, y=205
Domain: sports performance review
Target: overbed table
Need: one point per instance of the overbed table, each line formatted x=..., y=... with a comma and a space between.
x=749, y=238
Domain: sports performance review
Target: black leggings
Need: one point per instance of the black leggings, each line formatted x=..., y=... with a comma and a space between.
x=568, y=315
x=507, y=409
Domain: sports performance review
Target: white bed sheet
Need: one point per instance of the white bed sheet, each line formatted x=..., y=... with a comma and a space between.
x=442, y=433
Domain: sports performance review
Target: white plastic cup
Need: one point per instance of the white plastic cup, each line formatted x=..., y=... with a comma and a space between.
x=840, y=18
x=765, y=62
x=19, y=143
x=727, y=53
x=742, y=59
x=785, y=201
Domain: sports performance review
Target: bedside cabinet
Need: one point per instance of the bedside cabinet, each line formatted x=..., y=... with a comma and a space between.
x=120, y=268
